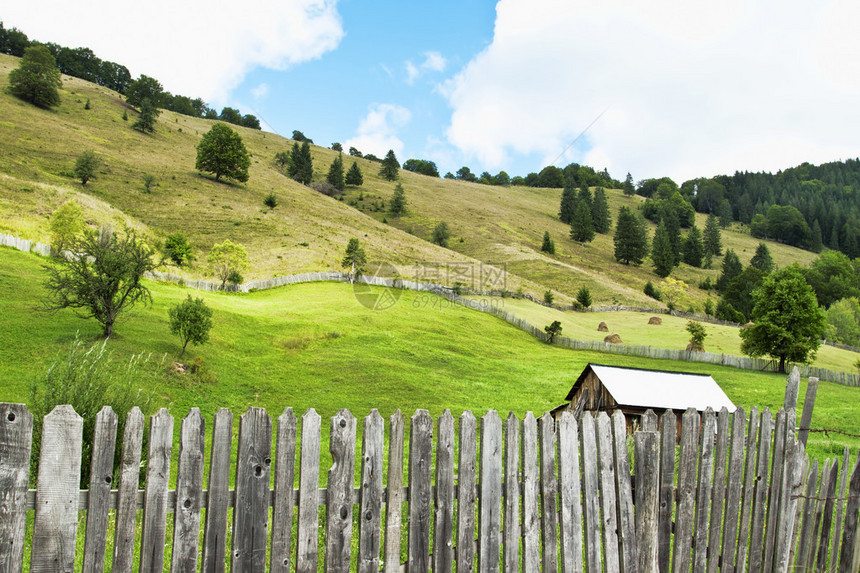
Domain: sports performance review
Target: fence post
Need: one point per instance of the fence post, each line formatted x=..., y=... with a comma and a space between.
x=466, y=493
x=370, y=510
x=685, y=521
x=189, y=493
x=808, y=405
x=309, y=477
x=624, y=495
x=101, y=477
x=705, y=487
x=394, y=507
x=443, y=551
x=590, y=489
x=282, y=508
x=569, y=486
x=217, y=504
x=840, y=510
x=420, y=492
x=338, y=530
x=512, y=494
x=761, y=492
x=849, y=555
x=490, y=523
x=668, y=433
x=16, y=435
x=647, y=460
x=531, y=507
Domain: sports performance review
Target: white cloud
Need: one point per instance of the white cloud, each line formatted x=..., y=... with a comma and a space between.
x=693, y=88
x=199, y=50
x=260, y=91
x=433, y=62
x=377, y=132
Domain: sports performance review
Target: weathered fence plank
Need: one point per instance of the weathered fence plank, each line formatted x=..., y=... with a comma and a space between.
x=808, y=405
x=647, y=460
x=608, y=507
x=511, y=550
x=548, y=490
x=443, y=536
x=684, y=521
x=648, y=421
x=394, y=507
x=704, y=490
x=624, y=496
x=283, y=504
x=723, y=557
x=531, y=501
x=849, y=554
x=740, y=558
x=824, y=539
x=129, y=476
x=590, y=493
x=341, y=475
x=467, y=464
x=666, y=501
x=218, y=494
x=777, y=473
x=718, y=497
x=805, y=541
x=309, y=477
x=251, y=511
x=155, y=498
x=490, y=505
x=840, y=509
x=420, y=492
x=570, y=490
x=761, y=491
x=815, y=526
x=791, y=489
x=16, y=435
x=101, y=478
x=370, y=510
x=189, y=493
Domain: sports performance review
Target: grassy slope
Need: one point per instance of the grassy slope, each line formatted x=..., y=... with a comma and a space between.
x=500, y=225
x=274, y=349
x=634, y=329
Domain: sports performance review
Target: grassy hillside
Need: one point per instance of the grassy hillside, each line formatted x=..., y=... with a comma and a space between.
x=306, y=231
x=314, y=345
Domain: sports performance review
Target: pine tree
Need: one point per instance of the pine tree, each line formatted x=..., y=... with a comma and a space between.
x=816, y=244
x=673, y=230
x=548, y=244
x=631, y=239
x=354, y=176
x=397, y=205
x=568, y=205
x=146, y=120
x=301, y=164
x=335, y=173
x=629, y=189
x=600, y=212
x=582, y=227
x=390, y=166
x=713, y=240
x=762, y=259
x=661, y=251
x=693, y=248
x=732, y=267
x=584, y=194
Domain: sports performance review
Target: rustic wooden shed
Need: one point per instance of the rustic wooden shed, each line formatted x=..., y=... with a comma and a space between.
x=635, y=390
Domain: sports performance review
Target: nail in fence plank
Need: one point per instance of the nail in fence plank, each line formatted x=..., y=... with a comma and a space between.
x=776, y=483
x=808, y=405
x=624, y=495
x=791, y=489
x=443, y=550
x=218, y=500
x=704, y=490
x=512, y=494
x=309, y=477
x=16, y=436
x=98, y=500
x=647, y=460
x=590, y=495
x=420, y=492
x=189, y=493
x=569, y=486
x=531, y=507
x=824, y=540
x=251, y=512
x=668, y=432
x=490, y=504
x=840, y=509
x=761, y=490
x=740, y=559
x=718, y=489
x=723, y=558
x=155, y=497
x=684, y=521
x=805, y=544
x=129, y=477
x=282, y=509
x=849, y=554
x=370, y=512
x=56, y=522
x=548, y=489
x=393, y=512
x=338, y=531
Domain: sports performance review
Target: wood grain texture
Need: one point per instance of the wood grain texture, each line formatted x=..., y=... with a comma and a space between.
x=129, y=477
x=704, y=491
x=647, y=460
x=420, y=492
x=341, y=475
x=490, y=507
x=155, y=498
x=624, y=496
x=512, y=531
x=371, y=493
x=531, y=496
x=725, y=557
x=718, y=497
x=548, y=491
x=590, y=493
x=608, y=501
x=309, y=477
x=219, y=497
x=570, y=498
x=282, y=509
x=685, y=518
x=101, y=478
x=466, y=492
x=443, y=536
x=777, y=473
x=394, y=501
x=189, y=493
x=849, y=554
x=668, y=431
x=748, y=498
x=808, y=406
x=253, y=475
x=761, y=492
x=16, y=436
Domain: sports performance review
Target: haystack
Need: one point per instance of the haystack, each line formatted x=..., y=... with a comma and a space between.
x=602, y=327
x=655, y=320
x=613, y=338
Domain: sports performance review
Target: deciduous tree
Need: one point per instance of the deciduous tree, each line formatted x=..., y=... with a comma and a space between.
x=227, y=259
x=222, y=152
x=86, y=165
x=146, y=120
x=66, y=223
x=441, y=234
x=36, y=79
x=191, y=320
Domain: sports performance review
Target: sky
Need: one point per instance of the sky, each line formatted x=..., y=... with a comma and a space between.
x=659, y=88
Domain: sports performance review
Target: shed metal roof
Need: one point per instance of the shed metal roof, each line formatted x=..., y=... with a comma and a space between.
x=657, y=389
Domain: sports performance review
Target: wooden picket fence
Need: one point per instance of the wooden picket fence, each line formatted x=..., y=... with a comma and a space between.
x=539, y=494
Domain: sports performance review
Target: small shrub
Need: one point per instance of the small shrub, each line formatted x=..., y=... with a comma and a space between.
x=548, y=297
x=270, y=201
x=125, y=115
x=235, y=278
x=326, y=188
x=87, y=105
x=457, y=288
x=583, y=297
x=697, y=336
x=706, y=284
x=709, y=307
x=553, y=330
x=441, y=234
x=651, y=291
x=148, y=183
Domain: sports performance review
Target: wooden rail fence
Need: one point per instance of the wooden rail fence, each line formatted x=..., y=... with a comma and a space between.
x=531, y=494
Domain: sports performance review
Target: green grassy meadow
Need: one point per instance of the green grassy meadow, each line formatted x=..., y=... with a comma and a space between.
x=315, y=346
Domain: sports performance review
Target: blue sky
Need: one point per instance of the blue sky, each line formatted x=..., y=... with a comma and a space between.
x=686, y=89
